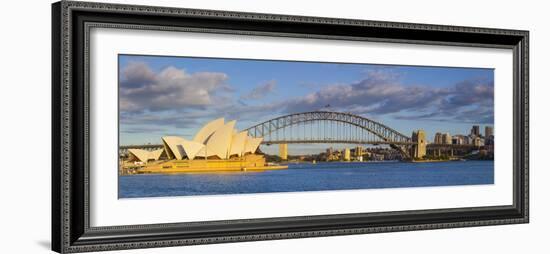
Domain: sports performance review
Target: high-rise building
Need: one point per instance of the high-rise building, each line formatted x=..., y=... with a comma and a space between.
x=447, y=138
x=490, y=140
x=456, y=140
x=347, y=154
x=466, y=140
x=488, y=131
x=438, y=138
x=459, y=140
x=358, y=151
x=477, y=141
x=475, y=130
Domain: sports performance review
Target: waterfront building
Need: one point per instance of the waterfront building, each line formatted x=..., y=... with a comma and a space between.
x=215, y=140
x=329, y=154
x=457, y=140
x=488, y=131
x=178, y=148
x=446, y=138
x=334, y=155
x=460, y=140
x=217, y=147
x=252, y=145
x=219, y=143
x=475, y=130
x=472, y=138
x=477, y=141
x=238, y=143
x=358, y=152
x=376, y=157
x=438, y=138
x=490, y=140
x=206, y=131
x=347, y=154
x=144, y=156
x=467, y=140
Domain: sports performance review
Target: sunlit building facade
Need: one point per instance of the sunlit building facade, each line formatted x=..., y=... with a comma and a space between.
x=215, y=140
x=144, y=156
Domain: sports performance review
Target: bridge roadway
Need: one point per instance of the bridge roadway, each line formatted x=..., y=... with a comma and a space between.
x=336, y=141
x=145, y=147
x=432, y=146
x=123, y=148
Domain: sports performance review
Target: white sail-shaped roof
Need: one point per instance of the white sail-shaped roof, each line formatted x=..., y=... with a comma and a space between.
x=144, y=155
x=156, y=153
x=219, y=143
x=237, y=143
x=252, y=144
x=192, y=148
x=214, y=139
x=178, y=148
x=206, y=131
x=171, y=146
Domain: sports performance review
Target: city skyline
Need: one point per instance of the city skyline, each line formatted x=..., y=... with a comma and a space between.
x=175, y=95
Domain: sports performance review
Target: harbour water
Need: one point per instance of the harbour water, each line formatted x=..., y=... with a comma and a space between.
x=311, y=177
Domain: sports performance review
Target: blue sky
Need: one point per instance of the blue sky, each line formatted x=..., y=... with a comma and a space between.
x=176, y=95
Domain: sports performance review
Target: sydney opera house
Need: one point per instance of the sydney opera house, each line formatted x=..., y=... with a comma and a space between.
x=217, y=146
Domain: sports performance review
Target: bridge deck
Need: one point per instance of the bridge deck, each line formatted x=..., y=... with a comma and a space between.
x=359, y=142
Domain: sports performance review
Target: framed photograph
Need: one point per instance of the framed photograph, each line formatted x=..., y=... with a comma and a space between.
x=182, y=126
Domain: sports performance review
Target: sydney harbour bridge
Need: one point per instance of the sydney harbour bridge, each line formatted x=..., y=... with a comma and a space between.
x=327, y=127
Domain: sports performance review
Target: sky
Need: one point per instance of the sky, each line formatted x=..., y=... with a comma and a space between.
x=163, y=95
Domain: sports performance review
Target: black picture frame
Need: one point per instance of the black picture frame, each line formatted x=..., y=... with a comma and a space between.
x=71, y=231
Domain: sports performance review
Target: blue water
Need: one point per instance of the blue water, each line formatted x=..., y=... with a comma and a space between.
x=311, y=177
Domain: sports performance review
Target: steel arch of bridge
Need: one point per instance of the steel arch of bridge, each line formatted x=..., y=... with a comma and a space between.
x=385, y=134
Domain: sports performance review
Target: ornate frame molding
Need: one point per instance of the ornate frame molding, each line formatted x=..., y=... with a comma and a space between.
x=71, y=22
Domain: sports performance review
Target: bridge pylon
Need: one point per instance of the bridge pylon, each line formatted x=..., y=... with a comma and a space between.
x=283, y=151
x=418, y=149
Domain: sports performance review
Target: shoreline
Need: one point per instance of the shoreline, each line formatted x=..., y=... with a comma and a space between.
x=145, y=171
x=236, y=170
x=424, y=161
x=383, y=161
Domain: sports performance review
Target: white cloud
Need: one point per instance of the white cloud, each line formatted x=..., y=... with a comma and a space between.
x=141, y=89
x=261, y=91
x=382, y=93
